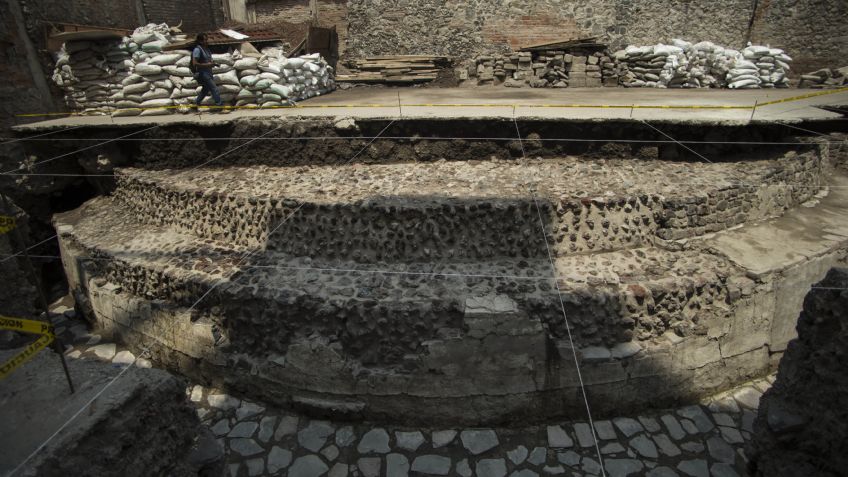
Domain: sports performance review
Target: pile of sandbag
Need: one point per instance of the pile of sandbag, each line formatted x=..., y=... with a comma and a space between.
x=139, y=76
x=825, y=78
x=759, y=67
x=701, y=65
x=89, y=73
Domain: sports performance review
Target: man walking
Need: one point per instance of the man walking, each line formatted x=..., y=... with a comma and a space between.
x=201, y=61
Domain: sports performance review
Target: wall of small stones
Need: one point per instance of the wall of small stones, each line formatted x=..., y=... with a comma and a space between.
x=551, y=69
x=461, y=29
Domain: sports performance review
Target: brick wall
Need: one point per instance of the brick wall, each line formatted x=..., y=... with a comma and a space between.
x=331, y=13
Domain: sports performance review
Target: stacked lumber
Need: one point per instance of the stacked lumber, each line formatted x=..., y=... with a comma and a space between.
x=394, y=69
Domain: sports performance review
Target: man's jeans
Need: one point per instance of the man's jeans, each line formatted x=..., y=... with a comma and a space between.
x=204, y=78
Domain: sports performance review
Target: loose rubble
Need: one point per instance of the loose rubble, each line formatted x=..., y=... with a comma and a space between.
x=140, y=76
x=825, y=78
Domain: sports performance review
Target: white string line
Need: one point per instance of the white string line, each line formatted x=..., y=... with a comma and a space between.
x=570, y=339
x=80, y=150
x=286, y=219
x=444, y=138
x=76, y=414
x=6, y=141
x=9, y=257
x=564, y=316
x=806, y=130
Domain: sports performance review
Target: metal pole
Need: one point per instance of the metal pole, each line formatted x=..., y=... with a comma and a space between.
x=57, y=342
x=753, y=111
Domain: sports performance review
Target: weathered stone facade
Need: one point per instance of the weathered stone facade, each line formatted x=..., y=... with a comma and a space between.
x=808, y=31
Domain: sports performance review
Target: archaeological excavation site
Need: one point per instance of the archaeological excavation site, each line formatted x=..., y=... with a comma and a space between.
x=310, y=238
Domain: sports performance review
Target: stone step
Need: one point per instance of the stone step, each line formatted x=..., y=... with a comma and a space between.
x=465, y=210
x=377, y=338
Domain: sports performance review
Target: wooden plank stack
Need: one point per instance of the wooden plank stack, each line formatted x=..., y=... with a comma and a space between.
x=399, y=69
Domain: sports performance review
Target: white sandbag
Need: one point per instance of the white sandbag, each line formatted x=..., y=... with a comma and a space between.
x=184, y=61
x=137, y=88
x=229, y=89
x=271, y=76
x=246, y=63
x=271, y=104
x=144, y=37
x=252, y=72
x=311, y=67
x=164, y=60
x=262, y=84
x=157, y=103
x=744, y=83
x=157, y=93
x=249, y=80
x=222, y=59
x=175, y=70
x=132, y=79
x=227, y=78
x=245, y=94
x=293, y=63
x=154, y=46
x=127, y=104
x=271, y=68
x=156, y=112
x=283, y=91
x=127, y=112
x=147, y=69
x=221, y=69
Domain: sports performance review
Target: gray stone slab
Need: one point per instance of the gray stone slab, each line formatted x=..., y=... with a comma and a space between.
x=330, y=452
x=104, y=351
x=524, y=473
x=558, y=438
x=443, y=438
x=491, y=467
x=221, y=428
x=723, y=419
x=650, y=424
x=625, y=350
x=255, y=467
x=125, y=357
x=698, y=416
x=662, y=472
x=374, y=441
x=553, y=470
x=693, y=447
x=595, y=354
x=689, y=426
x=518, y=455
x=612, y=448
x=694, y=468
x=287, y=427
x=410, y=441
x=584, y=434
x=243, y=429
x=314, y=435
x=644, y=446
x=245, y=447
x=665, y=445
x=673, y=425
x=248, y=410
x=725, y=404
x=590, y=466
x=569, y=458
x=345, y=436
x=538, y=456
x=731, y=435
x=748, y=397
x=720, y=450
x=431, y=464
x=266, y=428
x=338, y=470
x=370, y=466
x=628, y=426
x=723, y=470
x=463, y=469
x=605, y=431
x=308, y=466
x=397, y=465
x=748, y=418
x=622, y=467
x=278, y=459
x=478, y=441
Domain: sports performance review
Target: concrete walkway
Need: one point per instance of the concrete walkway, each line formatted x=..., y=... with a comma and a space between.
x=732, y=107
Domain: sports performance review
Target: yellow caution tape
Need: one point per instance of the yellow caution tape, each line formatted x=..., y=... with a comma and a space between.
x=448, y=105
x=7, y=224
x=26, y=326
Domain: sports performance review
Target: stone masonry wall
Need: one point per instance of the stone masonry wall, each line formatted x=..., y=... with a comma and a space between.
x=331, y=13
x=809, y=31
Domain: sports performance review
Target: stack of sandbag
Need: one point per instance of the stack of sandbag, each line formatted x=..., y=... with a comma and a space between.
x=825, y=78
x=90, y=74
x=701, y=65
x=272, y=80
x=759, y=67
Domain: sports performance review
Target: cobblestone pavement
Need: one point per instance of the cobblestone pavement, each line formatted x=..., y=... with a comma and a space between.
x=706, y=439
